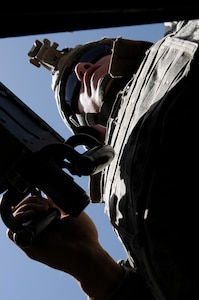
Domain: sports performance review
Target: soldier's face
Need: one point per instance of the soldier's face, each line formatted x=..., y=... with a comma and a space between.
x=91, y=75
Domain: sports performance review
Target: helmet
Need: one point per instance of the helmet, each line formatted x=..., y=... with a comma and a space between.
x=64, y=81
x=126, y=56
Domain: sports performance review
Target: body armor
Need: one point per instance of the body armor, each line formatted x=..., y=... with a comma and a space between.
x=147, y=121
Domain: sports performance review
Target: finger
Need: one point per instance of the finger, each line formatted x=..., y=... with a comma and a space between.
x=22, y=216
x=31, y=203
x=32, y=199
x=29, y=208
x=39, y=207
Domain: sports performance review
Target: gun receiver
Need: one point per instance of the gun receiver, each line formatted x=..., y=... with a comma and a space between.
x=33, y=157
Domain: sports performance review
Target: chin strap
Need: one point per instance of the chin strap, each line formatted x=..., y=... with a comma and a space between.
x=89, y=119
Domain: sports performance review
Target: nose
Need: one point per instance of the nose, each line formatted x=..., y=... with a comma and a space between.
x=81, y=68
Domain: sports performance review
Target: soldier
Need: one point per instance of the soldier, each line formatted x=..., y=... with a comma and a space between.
x=142, y=100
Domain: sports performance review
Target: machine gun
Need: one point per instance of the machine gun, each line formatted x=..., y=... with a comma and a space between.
x=34, y=158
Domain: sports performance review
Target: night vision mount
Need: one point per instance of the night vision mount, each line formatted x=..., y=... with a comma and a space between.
x=34, y=158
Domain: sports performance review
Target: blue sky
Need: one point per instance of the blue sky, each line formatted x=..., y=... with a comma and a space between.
x=20, y=277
